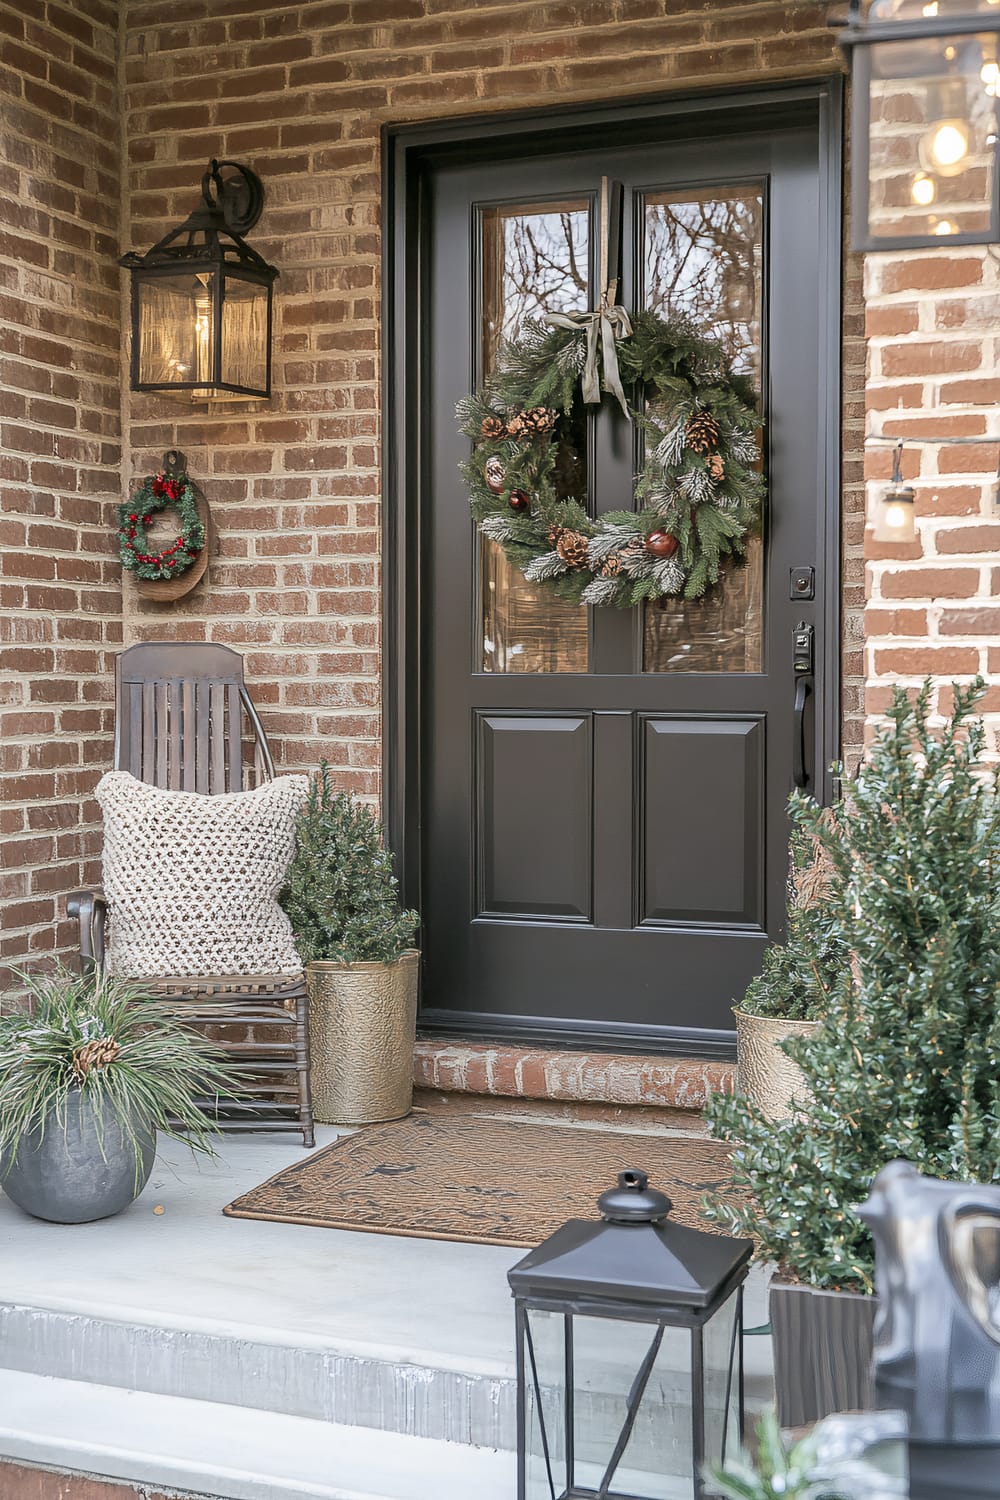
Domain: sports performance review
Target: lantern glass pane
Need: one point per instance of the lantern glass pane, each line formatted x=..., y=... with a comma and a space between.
x=719, y=1344
x=608, y=1360
x=244, y=334
x=175, y=333
x=546, y=1425
x=932, y=136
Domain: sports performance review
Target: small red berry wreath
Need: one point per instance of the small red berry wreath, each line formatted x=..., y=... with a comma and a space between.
x=160, y=492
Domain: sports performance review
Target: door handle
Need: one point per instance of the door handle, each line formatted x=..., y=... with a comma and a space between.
x=800, y=776
x=802, y=667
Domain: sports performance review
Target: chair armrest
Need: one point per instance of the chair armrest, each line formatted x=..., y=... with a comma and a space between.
x=91, y=910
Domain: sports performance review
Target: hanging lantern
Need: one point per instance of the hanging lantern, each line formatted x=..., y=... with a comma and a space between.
x=624, y=1325
x=201, y=298
x=894, y=510
x=925, y=80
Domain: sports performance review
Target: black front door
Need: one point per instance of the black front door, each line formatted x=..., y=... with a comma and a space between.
x=603, y=824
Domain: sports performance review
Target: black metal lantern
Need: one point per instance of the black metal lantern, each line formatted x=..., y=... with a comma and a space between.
x=629, y=1353
x=925, y=84
x=202, y=298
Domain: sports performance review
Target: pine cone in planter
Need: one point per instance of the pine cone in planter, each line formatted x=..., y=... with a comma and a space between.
x=95, y=1054
x=702, y=432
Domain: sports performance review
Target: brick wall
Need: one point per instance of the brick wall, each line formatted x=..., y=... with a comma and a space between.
x=933, y=357
x=60, y=596
x=301, y=92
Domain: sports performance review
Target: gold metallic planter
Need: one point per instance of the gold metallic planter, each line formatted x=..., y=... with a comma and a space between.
x=362, y=1023
x=764, y=1075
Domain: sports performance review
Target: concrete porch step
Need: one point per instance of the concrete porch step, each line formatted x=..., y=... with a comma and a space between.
x=211, y=1449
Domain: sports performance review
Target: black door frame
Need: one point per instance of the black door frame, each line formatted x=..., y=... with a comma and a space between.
x=407, y=150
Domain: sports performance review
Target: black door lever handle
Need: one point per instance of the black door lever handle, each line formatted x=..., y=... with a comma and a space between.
x=800, y=776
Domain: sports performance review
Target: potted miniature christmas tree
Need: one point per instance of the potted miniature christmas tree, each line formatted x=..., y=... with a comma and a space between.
x=356, y=943
x=905, y=1061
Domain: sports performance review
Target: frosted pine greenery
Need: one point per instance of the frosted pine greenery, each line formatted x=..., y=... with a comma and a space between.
x=153, y=1070
x=341, y=895
x=906, y=1062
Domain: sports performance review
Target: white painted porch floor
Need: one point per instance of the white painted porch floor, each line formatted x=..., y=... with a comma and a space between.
x=271, y=1360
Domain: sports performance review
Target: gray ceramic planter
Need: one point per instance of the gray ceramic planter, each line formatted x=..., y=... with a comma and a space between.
x=823, y=1347
x=80, y=1169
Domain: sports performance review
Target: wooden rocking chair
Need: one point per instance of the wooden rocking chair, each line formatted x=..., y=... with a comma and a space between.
x=181, y=711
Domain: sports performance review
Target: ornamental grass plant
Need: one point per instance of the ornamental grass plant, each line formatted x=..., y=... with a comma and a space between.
x=105, y=1039
x=905, y=1063
x=341, y=895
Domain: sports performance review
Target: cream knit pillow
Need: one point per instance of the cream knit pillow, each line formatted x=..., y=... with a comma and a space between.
x=192, y=881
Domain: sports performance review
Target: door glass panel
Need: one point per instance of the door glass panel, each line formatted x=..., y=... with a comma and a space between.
x=535, y=260
x=703, y=260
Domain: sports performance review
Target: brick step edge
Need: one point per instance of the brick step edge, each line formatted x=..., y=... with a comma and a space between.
x=573, y=1077
x=28, y=1482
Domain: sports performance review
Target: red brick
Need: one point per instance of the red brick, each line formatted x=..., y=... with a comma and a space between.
x=969, y=538
x=926, y=660
x=930, y=583
x=977, y=620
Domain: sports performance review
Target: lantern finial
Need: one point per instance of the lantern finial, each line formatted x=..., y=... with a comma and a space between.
x=633, y=1201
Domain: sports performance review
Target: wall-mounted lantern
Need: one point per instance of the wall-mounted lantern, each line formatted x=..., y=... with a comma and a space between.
x=894, y=508
x=202, y=298
x=629, y=1352
x=925, y=80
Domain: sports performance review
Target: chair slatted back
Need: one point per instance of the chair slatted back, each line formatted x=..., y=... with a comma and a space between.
x=180, y=713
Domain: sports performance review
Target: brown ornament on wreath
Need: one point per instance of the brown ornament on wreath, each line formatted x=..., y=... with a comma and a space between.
x=661, y=544
x=702, y=432
x=519, y=501
x=493, y=429
x=495, y=475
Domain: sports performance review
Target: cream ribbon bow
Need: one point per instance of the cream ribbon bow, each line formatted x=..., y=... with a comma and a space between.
x=608, y=322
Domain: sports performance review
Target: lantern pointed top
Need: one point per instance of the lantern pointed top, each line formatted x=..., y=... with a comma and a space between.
x=642, y=1256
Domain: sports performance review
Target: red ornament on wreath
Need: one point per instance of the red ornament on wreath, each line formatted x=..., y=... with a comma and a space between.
x=661, y=544
x=519, y=501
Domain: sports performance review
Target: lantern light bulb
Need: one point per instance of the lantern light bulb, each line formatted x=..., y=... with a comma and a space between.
x=945, y=226
x=895, y=517
x=931, y=9
x=948, y=144
x=923, y=189
x=990, y=74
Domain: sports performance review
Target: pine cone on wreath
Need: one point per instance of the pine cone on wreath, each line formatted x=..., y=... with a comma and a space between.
x=611, y=566
x=632, y=551
x=572, y=548
x=514, y=426
x=702, y=432
x=716, y=467
x=538, y=421
x=493, y=428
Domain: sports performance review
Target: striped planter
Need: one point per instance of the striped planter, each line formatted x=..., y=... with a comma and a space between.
x=823, y=1346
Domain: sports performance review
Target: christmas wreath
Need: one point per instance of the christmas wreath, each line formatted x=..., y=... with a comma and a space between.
x=699, y=494
x=160, y=492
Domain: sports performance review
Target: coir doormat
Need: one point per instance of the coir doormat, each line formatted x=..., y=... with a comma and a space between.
x=486, y=1181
